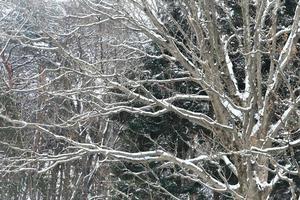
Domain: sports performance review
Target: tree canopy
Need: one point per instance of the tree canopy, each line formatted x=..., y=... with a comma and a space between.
x=149, y=99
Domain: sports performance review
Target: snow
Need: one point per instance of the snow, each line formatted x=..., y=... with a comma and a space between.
x=159, y=37
x=230, y=70
x=74, y=100
x=234, y=187
x=229, y=63
x=41, y=44
x=296, y=142
x=275, y=127
x=57, y=63
x=256, y=127
x=244, y=95
x=235, y=112
x=88, y=139
x=230, y=164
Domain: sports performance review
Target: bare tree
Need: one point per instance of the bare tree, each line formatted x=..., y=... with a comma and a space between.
x=244, y=55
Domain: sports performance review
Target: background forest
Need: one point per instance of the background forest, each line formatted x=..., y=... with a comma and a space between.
x=149, y=99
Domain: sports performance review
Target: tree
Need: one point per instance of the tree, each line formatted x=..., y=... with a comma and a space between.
x=167, y=132
x=242, y=55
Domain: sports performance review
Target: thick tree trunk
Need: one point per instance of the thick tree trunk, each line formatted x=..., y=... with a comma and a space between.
x=249, y=174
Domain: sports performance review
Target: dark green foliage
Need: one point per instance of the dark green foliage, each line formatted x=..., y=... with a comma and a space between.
x=168, y=132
